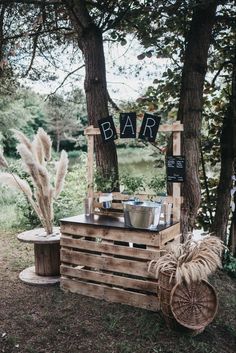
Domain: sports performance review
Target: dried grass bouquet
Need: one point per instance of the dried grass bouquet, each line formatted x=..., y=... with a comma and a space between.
x=35, y=155
x=191, y=261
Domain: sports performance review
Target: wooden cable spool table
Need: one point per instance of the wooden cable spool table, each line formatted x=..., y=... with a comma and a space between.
x=46, y=255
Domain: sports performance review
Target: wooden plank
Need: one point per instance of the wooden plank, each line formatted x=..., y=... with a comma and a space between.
x=168, y=234
x=118, y=196
x=111, y=213
x=174, y=242
x=129, y=235
x=176, y=186
x=107, y=278
x=90, y=130
x=152, y=254
x=114, y=205
x=115, y=295
x=109, y=263
x=90, y=171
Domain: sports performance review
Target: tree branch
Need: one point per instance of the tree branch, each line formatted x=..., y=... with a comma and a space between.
x=35, y=39
x=218, y=72
x=113, y=104
x=32, y=34
x=63, y=81
x=30, y=2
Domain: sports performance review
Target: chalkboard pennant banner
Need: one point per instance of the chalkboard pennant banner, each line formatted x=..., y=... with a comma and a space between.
x=107, y=129
x=175, y=166
x=149, y=127
x=128, y=125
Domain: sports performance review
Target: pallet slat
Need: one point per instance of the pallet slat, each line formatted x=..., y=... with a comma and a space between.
x=136, y=268
x=67, y=241
x=169, y=234
x=137, y=237
x=107, y=278
x=115, y=295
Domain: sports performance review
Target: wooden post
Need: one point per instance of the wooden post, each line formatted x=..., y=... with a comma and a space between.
x=90, y=171
x=176, y=186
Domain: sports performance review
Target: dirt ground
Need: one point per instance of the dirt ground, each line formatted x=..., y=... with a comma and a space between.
x=47, y=320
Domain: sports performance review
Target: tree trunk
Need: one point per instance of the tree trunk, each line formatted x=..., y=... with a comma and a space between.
x=97, y=99
x=191, y=103
x=2, y=13
x=228, y=169
x=58, y=137
x=225, y=182
x=91, y=43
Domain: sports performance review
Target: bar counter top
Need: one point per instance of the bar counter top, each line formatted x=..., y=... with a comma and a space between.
x=109, y=222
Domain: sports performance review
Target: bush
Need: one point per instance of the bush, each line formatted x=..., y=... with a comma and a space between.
x=229, y=264
x=70, y=202
x=158, y=184
x=132, y=184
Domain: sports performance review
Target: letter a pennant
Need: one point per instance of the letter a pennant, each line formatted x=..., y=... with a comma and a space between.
x=128, y=125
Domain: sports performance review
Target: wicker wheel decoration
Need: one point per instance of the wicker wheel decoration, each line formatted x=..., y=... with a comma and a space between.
x=194, y=306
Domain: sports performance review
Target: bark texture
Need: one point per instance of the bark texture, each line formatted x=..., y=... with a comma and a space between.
x=225, y=181
x=228, y=169
x=191, y=104
x=91, y=44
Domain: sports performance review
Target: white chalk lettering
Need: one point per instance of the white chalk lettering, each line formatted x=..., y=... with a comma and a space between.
x=128, y=123
x=108, y=132
x=147, y=126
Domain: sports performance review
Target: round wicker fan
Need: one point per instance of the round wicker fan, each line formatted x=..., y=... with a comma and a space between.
x=194, y=306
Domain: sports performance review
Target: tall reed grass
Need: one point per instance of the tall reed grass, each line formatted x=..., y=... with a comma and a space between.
x=35, y=156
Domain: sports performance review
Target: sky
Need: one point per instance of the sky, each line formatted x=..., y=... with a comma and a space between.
x=127, y=77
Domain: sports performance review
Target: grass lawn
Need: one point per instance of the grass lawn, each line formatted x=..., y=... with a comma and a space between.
x=47, y=320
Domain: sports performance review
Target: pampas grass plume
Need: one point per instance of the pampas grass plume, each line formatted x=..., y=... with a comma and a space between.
x=61, y=173
x=46, y=143
x=38, y=149
x=191, y=261
x=33, y=155
x=22, y=139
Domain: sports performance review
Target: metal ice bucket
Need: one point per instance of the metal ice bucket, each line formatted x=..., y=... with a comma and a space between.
x=142, y=214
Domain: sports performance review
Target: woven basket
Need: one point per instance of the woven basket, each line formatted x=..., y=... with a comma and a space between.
x=180, y=313
x=194, y=306
x=166, y=281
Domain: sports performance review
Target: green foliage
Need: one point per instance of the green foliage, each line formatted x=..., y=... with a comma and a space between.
x=206, y=208
x=229, y=264
x=63, y=117
x=105, y=184
x=71, y=199
x=157, y=184
x=74, y=154
x=132, y=184
x=66, y=118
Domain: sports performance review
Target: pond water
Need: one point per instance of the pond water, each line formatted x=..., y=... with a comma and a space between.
x=140, y=162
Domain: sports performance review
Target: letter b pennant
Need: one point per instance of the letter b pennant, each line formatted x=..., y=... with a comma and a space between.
x=149, y=127
x=107, y=129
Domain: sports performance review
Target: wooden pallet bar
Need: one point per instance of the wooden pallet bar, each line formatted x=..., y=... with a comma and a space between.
x=102, y=258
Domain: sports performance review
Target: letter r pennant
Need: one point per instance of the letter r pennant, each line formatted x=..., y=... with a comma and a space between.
x=149, y=127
